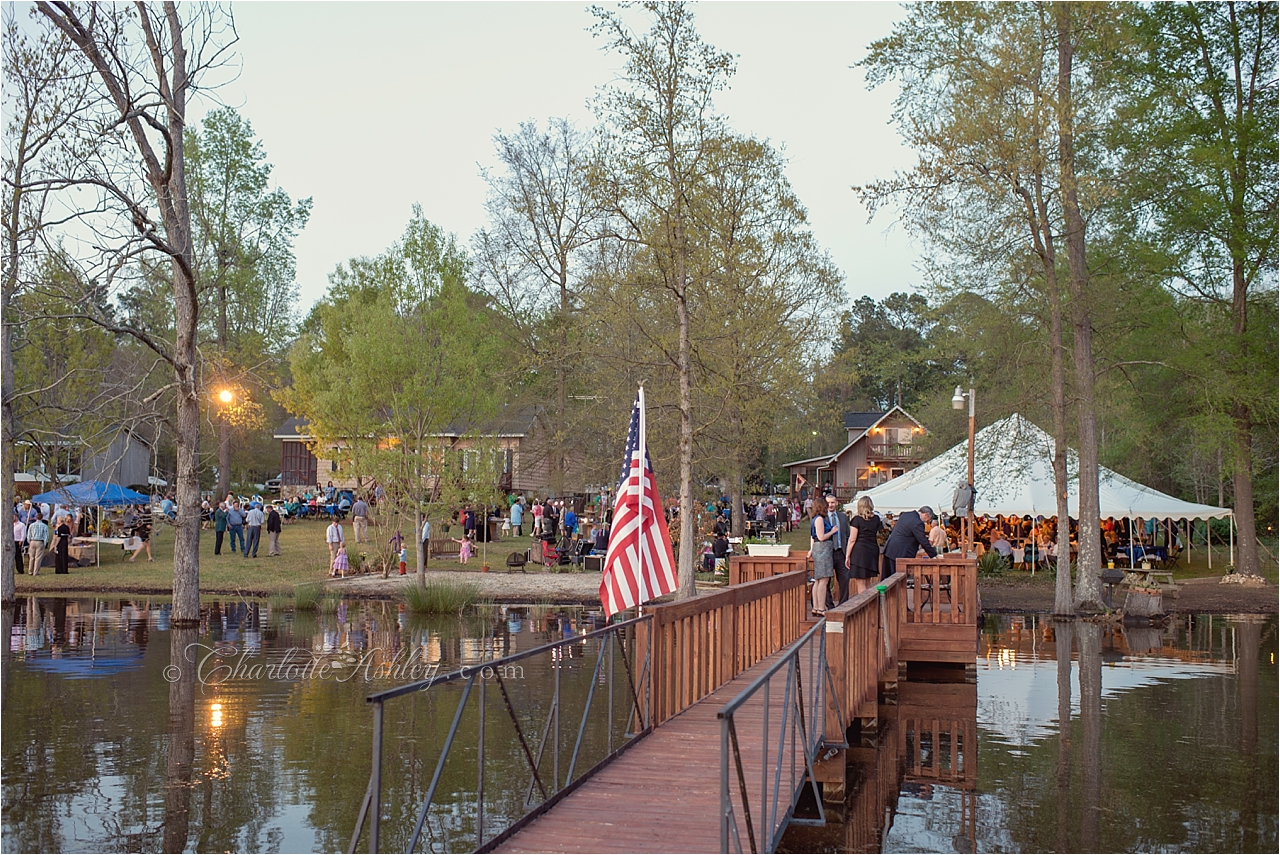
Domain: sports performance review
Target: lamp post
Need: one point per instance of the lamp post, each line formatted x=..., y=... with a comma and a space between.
x=957, y=403
x=225, y=397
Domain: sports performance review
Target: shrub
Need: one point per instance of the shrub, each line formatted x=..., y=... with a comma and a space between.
x=992, y=564
x=441, y=596
x=307, y=596
x=329, y=603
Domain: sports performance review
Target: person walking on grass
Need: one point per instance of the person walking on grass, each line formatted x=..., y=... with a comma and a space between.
x=334, y=537
x=255, y=519
x=142, y=531
x=273, y=532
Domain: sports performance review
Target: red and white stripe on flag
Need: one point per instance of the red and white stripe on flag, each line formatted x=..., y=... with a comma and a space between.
x=639, y=564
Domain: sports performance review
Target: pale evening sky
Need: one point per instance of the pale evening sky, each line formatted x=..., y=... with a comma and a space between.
x=371, y=106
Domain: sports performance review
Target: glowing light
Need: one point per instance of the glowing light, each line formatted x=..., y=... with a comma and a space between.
x=215, y=714
x=226, y=396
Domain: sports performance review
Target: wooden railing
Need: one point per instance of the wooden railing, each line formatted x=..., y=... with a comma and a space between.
x=941, y=602
x=700, y=644
x=894, y=451
x=748, y=568
x=862, y=648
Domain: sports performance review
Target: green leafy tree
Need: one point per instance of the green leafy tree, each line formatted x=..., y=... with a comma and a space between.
x=396, y=369
x=1197, y=157
x=243, y=233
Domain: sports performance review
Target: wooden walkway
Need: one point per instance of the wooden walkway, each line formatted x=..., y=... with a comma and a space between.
x=663, y=795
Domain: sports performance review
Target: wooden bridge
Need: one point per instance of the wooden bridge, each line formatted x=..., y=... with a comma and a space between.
x=741, y=702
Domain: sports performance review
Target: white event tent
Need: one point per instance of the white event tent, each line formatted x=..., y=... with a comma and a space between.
x=1013, y=474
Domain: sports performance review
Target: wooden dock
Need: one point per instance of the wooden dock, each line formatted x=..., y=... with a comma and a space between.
x=745, y=701
x=663, y=795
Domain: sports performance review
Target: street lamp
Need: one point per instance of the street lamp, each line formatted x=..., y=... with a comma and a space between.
x=957, y=403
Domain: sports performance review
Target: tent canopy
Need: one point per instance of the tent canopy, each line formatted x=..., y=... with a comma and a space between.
x=92, y=493
x=1013, y=474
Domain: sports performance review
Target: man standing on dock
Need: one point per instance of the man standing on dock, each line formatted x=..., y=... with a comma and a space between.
x=909, y=535
x=839, y=523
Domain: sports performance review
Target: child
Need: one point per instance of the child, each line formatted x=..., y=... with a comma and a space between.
x=464, y=552
x=404, y=560
x=340, y=564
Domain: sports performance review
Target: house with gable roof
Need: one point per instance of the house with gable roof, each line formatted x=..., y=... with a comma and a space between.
x=879, y=448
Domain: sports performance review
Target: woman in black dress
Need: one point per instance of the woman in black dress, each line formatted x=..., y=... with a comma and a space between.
x=862, y=556
x=62, y=555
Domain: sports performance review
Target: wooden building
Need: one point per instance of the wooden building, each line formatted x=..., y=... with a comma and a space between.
x=879, y=448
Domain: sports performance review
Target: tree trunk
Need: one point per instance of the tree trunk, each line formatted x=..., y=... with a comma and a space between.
x=1088, y=586
x=8, y=588
x=688, y=547
x=737, y=523
x=420, y=551
x=1242, y=445
x=224, y=458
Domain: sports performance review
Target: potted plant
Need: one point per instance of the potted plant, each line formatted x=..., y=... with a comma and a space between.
x=759, y=547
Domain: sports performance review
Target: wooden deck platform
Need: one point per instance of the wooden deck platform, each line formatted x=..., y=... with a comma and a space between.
x=663, y=795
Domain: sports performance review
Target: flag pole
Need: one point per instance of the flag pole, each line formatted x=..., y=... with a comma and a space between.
x=643, y=452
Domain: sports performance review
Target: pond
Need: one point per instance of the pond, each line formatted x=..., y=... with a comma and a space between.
x=1075, y=738
x=251, y=732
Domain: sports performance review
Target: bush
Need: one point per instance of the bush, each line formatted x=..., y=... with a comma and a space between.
x=329, y=603
x=441, y=596
x=992, y=564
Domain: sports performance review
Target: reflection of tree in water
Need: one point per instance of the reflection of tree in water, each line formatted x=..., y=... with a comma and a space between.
x=1063, y=631
x=1089, y=640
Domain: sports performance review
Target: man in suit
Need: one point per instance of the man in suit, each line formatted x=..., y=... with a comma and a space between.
x=838, y=521
x=910, y=533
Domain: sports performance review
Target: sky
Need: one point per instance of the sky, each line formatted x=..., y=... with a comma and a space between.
x=369, y=107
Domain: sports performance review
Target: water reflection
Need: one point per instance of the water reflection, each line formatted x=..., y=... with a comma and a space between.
x=1076, y=737
x=123, y=733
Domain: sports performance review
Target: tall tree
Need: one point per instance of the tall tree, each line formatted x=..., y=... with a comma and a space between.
x=980, y=105
x=243, y=251
x=533, y=258
x=1088, y=585
x=144, y=62
x=39, y=102
x=659, y=121
x=1197, y=144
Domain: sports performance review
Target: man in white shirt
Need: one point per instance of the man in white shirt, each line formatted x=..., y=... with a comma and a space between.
x=254, y=520
x=333, y=535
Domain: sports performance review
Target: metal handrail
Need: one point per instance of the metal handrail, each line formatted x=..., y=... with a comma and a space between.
x=641, y=713
x=794, y=723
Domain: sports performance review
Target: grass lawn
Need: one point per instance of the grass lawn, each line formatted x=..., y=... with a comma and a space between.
x=304, y=558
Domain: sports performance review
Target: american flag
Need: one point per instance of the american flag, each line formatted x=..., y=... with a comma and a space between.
x=639, y=564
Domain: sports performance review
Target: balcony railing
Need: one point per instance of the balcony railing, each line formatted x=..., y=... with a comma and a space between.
x=894, y=451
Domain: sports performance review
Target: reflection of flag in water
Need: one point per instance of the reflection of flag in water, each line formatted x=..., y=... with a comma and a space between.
x=639, y=564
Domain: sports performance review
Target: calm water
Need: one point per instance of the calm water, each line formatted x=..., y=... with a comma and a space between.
x=116, y=740
x=1092, y=739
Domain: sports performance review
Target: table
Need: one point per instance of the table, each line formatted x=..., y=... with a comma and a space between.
x=83, y=543
x=1150, y=577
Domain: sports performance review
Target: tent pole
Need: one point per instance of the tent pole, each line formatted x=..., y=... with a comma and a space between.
x=1231, y=532
x=1208, y=540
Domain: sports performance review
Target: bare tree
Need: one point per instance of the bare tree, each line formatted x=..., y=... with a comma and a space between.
x=144, y=63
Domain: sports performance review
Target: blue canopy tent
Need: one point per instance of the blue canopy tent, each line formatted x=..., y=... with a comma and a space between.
x=97, y=493
x=92, y=493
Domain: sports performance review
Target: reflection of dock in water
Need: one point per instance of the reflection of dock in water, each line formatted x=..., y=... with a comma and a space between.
x=927, y=741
